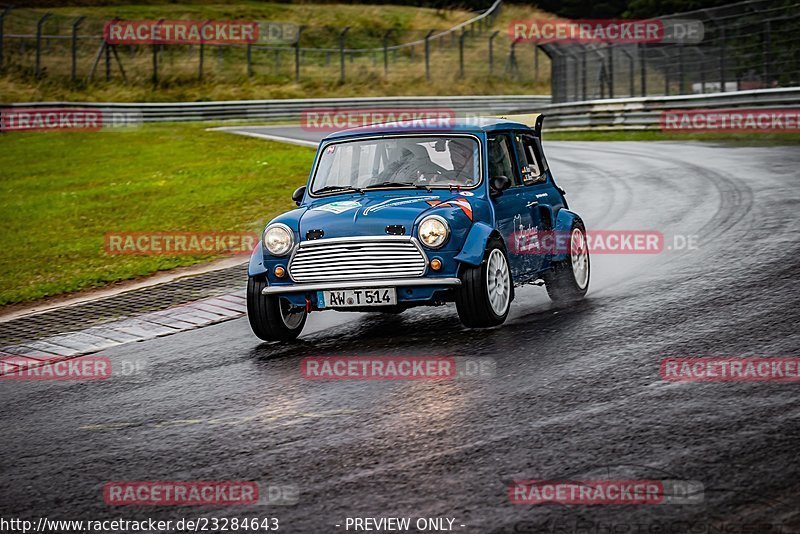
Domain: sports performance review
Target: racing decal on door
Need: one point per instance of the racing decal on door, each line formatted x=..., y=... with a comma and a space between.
x=524, y=240
x=462, y=203
x=401, y=201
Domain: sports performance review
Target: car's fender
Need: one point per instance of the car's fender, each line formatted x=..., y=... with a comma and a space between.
x=562, y=227
x=475, y=246
x=257, y=266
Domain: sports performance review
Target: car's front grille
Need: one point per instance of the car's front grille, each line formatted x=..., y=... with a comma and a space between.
x=357, y=258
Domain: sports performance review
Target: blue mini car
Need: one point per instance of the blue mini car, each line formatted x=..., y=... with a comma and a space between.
x=405, y=214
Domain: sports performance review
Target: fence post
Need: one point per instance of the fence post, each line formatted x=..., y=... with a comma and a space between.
x=108, y=62
x=428, y=55
x=341, y=53
x=512, y=58
x=155, y=65
x=249, y=60
x=202, y=52
x=642, y=69
x=722, y=60
x=583, y=77
x=39, y=25
x=74, y=50
x=386, y=52
x=297, y=54
x=3, y=14
x=681, y=88
x=155, y=57
x=461, y=52
x=610, y=71
x=491, y=50
x=767, y=52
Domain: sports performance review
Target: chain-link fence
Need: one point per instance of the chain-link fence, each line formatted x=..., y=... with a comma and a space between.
x=747, y=45
x=36, y=45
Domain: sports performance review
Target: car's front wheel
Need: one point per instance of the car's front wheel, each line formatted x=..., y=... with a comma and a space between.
x=568, y=280
x=484, y=298
x=272, y=318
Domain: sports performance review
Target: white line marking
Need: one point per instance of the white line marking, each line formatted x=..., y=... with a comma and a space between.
x=269, y=137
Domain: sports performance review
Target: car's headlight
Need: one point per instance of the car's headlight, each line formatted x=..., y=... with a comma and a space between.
x=433, y=231
x=278, y=239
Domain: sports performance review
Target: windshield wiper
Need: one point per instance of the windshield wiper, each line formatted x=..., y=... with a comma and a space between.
x=400, y=184
x=389, y=184
x=330, y=188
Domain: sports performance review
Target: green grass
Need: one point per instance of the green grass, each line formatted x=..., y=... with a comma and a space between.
x=60, y=193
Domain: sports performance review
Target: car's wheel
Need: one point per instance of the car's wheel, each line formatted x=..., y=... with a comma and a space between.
x=272, y=318
x=486, y=290
x=568, y=280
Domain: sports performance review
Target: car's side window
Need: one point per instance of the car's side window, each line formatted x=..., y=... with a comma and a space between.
x=501, y=160
x=528, y=149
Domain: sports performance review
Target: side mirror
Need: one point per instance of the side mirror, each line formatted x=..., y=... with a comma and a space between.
x=498, y=184
x=298, y=194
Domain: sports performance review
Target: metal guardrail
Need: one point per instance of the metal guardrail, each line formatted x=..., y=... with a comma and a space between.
x=292, y=109
x=644, y=113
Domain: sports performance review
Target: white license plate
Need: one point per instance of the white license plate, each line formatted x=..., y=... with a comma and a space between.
x=348, y=298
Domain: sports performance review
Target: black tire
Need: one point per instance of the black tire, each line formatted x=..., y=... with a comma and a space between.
x=266, y=314
x=561, y=281
x=473, y=301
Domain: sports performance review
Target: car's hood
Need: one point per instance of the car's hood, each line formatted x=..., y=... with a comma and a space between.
x=371, y=213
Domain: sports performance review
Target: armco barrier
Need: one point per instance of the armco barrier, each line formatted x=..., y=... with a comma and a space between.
x=644, y=113
x=611, y=114
x=291, y=109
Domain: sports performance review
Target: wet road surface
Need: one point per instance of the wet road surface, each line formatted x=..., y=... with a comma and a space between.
x=576, y=392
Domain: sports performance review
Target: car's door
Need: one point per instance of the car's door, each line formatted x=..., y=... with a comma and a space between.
x=542, y=197
x=513, y=218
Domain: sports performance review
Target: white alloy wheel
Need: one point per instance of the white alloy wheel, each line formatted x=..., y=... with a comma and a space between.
x=579, y=255
x=498, y=282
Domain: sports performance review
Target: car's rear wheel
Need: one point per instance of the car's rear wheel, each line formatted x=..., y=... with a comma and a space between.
x=486, y=290
x=272, y=318
x=568, y=280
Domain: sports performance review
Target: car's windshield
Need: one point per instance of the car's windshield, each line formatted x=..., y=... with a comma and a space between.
x=408, y=161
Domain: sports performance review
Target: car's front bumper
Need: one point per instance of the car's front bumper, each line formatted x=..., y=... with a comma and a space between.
x=359, y=284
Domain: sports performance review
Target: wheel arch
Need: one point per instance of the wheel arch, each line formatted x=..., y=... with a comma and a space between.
x=256, y=266
x=563, y=224
x=474, y=248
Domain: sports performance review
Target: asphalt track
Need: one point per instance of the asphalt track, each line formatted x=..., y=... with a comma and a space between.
x=576, y=395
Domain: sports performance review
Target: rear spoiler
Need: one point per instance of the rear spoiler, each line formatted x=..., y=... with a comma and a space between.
x=532, y=120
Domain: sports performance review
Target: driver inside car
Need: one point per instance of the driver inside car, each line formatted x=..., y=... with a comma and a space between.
x=462, y=158
x=411, y=163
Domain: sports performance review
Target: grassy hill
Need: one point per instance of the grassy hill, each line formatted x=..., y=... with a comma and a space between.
x=272, y=71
